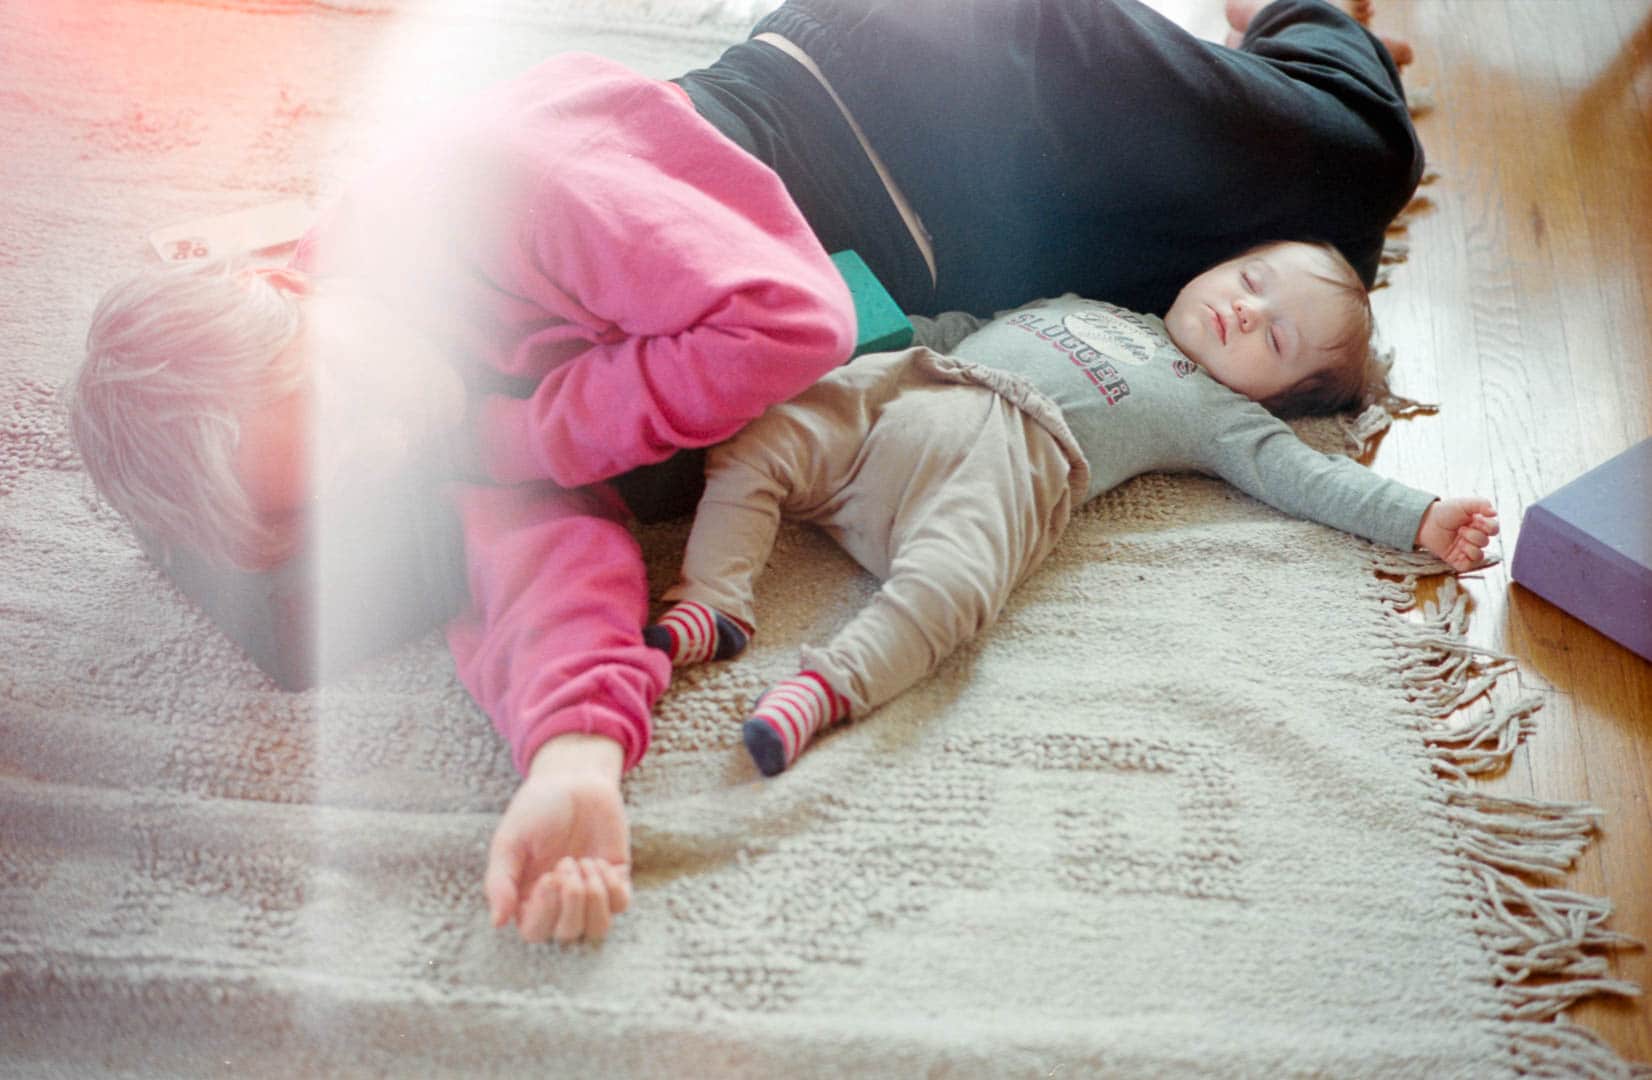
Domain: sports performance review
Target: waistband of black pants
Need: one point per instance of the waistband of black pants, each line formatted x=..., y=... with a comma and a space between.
x=776, y=110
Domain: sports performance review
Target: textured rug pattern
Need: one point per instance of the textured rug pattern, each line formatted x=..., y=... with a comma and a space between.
x=1193, y=807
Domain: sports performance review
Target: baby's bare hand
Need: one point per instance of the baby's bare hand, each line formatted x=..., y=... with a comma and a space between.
x=1458, y=531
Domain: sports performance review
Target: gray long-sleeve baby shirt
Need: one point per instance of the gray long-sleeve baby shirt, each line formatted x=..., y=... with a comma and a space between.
x=1137, y=404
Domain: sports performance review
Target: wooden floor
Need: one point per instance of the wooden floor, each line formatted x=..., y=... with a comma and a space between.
x=1525, y=312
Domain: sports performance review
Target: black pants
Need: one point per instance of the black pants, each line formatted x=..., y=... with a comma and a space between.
x=1093, y=146
x=1054, y=146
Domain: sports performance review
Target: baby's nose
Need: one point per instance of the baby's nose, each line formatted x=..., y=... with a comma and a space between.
x=1246, y=314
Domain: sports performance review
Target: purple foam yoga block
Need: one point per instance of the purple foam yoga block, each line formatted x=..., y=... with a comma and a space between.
x=1587, y=548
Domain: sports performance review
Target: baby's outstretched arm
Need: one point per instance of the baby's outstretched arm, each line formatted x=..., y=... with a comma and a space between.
x=1456, y=531
x=560, y=861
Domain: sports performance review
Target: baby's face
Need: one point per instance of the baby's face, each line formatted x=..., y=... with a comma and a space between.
x=373, y=394
x=1258, y=324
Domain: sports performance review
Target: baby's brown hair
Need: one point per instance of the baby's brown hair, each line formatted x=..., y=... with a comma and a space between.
x=1340, y=383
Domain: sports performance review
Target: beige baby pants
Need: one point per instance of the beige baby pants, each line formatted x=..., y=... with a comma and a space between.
x=936, y=482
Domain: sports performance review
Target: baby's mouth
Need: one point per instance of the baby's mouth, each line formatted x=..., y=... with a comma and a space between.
x=1221, y=327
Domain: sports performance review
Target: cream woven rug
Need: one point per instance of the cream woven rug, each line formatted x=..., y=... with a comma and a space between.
x=1194, y=807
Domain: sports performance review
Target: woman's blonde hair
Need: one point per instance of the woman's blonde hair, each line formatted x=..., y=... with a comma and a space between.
x=174, y=358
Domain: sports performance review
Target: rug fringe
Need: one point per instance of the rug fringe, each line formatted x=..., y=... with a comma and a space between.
x=1485, y=743
x=1396, y=246
x=1443, y=673
x=1545, y=933
x=1558, y=1050
x=1519, y=834
x=1546, y=945
x=1379, y=405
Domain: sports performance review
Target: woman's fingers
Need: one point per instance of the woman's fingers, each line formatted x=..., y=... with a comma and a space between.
x=618, y=880
x=577, y=898
x=538, y=917
x=501, y=883
x=598, y=917
x=570, y=923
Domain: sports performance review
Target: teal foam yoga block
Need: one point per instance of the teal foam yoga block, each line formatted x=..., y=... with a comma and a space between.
x=1587, y=548
x=881, y=326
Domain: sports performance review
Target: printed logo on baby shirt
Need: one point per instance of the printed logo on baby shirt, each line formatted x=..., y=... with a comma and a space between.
x=1081, y=337
x=1121, y=334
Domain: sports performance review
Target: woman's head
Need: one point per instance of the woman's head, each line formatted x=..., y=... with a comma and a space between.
x=175, y=358
x=218, y=401
x=1286, y=324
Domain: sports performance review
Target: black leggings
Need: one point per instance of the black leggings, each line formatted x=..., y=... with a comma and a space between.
x=1087, y=146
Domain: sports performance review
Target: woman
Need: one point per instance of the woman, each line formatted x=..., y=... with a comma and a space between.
x=579, y=272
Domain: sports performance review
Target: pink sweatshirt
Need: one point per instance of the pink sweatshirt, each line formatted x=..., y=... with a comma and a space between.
x=582, y=238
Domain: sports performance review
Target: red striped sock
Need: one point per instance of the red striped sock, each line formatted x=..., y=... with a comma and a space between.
x=692, y=633
x=787, y=716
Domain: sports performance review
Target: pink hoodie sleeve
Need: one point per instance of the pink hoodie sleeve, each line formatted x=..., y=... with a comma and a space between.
x=703, y=298
x=552, y=643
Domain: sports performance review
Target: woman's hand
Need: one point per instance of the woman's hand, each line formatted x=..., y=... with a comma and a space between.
x=560, y=861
